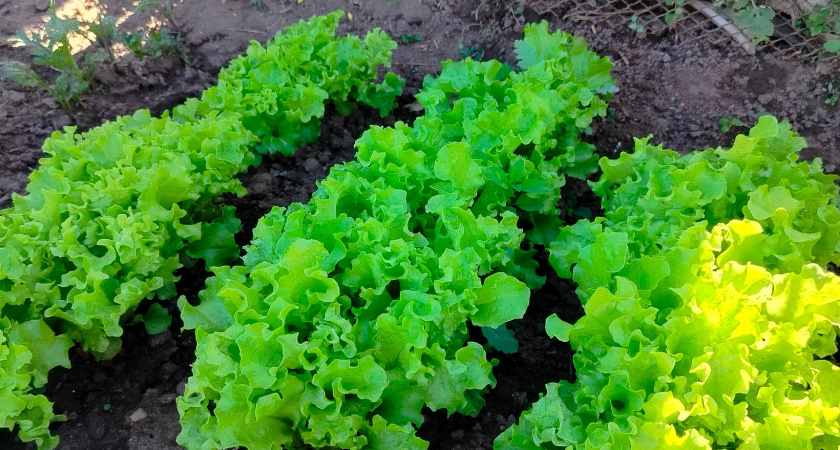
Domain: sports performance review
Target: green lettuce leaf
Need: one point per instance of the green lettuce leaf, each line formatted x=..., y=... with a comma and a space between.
x=351, y=312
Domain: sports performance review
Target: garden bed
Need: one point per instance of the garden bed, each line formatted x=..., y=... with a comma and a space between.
x=675, y=91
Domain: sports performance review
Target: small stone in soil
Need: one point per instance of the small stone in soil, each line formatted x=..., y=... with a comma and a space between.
x=160, y=338
x=311, y=165
x=50, y=102
x=261, y=183
x=13, y=97
x=659, y=105
x=168, y=368
x=457, y=434
x=61, y=121
x=166, y=399
x=520, y=398
x=138, y=415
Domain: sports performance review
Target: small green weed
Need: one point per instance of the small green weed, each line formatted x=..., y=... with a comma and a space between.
x=408, y=38
x=166, y=38
x=75, y=77
x=636, y=26
x=727, y=124
x=106, y=34
x=833, y=93
x=165, y=7
x=475, y=52
x=52, y=50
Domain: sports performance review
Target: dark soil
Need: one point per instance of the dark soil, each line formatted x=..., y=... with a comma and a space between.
x=676, y=91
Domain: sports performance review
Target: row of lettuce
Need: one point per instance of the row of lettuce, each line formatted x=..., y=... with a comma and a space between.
x=710, y=318
x=351, y=312
x=112, y=213
x=709, y=315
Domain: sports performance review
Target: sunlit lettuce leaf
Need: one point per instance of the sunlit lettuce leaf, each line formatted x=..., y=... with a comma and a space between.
x=280, y=89
x=352, y=311
x=733, y=357
x=651, y=196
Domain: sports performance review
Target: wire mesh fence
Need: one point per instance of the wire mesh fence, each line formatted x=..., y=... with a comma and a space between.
x=699, y=22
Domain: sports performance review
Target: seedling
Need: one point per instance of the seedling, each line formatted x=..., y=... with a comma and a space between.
x=23, y=75
x=134, y=42
x=727, y=124
x=53, y=50
x=676, y=10
x=106, y=34
x=833, y=93
x=758, y=19
x=476, y=52
x=408, y=38
x=636, y=26
x=162, y=40
x=153, y=45
x=164, y=6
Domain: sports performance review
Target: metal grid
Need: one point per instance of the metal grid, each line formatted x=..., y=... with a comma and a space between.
x=786, y=41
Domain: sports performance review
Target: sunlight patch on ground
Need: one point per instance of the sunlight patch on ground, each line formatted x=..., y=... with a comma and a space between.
x=86, y=12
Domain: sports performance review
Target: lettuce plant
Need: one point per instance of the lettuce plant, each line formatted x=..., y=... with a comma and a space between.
x=109, y=214
x=350, y=314
x=112, y=213
x=27, y=352
x=652, y=195
x=735, y=360
x=708, y=316
x=280, y=89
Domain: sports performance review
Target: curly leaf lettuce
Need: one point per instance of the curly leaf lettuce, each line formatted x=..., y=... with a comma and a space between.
x=112, y=213
x=108, y=214
x=351, y=312
x=652, y=196
x=735, y=360
x=700, y=331
x=27, y=353
x=280, y=89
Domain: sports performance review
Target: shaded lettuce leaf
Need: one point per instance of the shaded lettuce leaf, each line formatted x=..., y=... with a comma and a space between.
x=501, y=338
